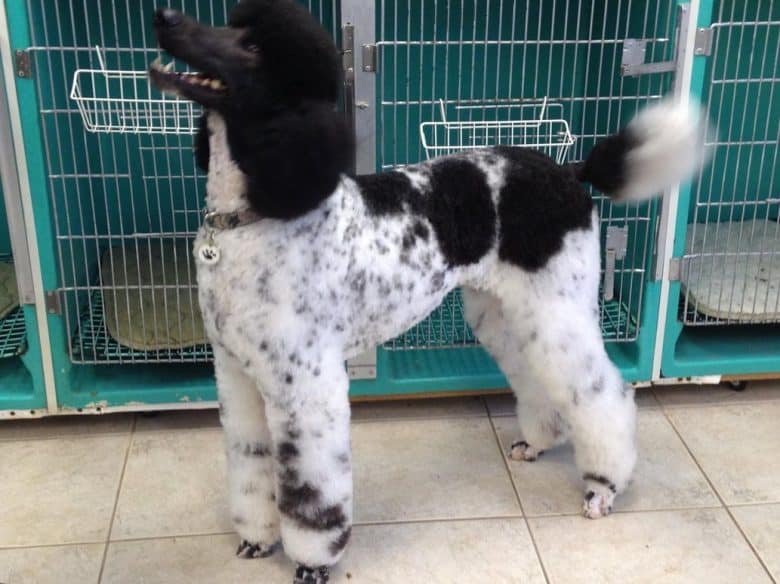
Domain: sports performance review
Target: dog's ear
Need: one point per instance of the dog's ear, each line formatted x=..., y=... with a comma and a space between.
x=294, y=160
x=202, y=152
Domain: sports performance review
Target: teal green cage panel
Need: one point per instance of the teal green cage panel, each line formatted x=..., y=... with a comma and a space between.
x=118, y=198
x=21, y=379
x=724, y=313
x=487, y=65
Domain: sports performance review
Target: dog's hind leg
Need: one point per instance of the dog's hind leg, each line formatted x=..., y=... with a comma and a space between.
x=249, y=457
x=541, y=425
x=308, y=413
x=566, y=353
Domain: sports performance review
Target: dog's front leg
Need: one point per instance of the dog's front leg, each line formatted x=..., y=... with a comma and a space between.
x=308, y=413
x=249, y=456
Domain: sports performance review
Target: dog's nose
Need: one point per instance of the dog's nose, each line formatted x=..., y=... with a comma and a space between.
x=167, y=17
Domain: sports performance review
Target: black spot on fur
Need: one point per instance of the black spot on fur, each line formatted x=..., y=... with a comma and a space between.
x=287, y=451
x=256, y=449
x=389, y=193
x=539, y=204
x=461, y=211
x=340, y=543
x=288, y=379
x=597, y=478
x=459, y=207
x=301, y=503
x=421, y=230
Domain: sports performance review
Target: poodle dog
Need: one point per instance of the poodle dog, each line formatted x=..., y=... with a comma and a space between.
x=301, y=266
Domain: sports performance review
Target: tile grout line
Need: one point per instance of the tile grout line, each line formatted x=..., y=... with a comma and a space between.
x=517, y=497
x=116, y=499
x=722, y=502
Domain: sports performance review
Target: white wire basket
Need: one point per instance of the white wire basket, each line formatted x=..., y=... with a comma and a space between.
x=533, y=124
x=124, y=101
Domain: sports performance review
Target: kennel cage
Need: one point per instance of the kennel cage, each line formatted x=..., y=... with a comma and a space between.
x=553, y=76
x=117, y=197
x=724, y=303
x=22, y=390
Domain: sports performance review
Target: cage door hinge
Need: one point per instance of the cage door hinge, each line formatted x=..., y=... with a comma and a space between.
x=635, y=50
x=363, y=366
x=703, y=44
x=675, y=269
x=617, y=245
x=53, y=305
x=370, y=60
x=23, y=63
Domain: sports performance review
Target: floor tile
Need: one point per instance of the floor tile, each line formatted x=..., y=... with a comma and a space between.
x=698, y=395
x=429, y=469
x=62, y=426
x=737, y=446
x=673, y=547
x=71, y=564
x=177, y=420
x=422, y=409
x=504, y=405
x=761, y=524
x=59, y=491
x=174, y=484
x=665, y=478
x=190, y=560
x=495, y=551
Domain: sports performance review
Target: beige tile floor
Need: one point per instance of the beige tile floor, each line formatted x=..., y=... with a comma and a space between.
x=137, y=499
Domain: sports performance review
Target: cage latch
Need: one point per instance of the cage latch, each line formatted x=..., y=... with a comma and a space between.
x=633, y=63
x=703, y=44
x=53, y=305
x=370, y=61
x=23, y=63
x=617, y=244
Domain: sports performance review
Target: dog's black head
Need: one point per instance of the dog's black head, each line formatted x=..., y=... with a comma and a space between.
x=274, y=76
x=271, y=51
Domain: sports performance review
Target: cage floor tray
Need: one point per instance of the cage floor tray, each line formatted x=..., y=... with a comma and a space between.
x=150, y=301
x=732, y=270
x=9, y=294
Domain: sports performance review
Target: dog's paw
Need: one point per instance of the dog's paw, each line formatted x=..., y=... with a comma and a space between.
x=248, y=550
x=305, y=575
x=521, y=450
x=599, y=496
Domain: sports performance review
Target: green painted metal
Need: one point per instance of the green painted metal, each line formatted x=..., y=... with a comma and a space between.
x=722, y=350
x=398, y=372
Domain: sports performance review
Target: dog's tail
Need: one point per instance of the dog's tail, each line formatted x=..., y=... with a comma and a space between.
x=660, y=146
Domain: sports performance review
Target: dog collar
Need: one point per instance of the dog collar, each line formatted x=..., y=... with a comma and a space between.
x=222, y=221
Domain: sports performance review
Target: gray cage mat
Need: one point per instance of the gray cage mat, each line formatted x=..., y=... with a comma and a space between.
x=733, y=270
x=9, y=293
x=149, y=297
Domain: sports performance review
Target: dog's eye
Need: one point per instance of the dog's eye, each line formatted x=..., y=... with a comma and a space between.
x=251, y=47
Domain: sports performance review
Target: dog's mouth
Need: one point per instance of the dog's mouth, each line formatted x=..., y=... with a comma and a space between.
x=204, y=88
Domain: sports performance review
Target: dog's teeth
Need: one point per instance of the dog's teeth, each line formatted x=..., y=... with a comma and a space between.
x=168, y=68
x=216, y=84
x=156, y=64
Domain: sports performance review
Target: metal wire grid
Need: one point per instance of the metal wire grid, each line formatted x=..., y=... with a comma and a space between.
x=731, y=270
x=13, y=335
x=482, y=56
x=446, y=327
x=112, y=189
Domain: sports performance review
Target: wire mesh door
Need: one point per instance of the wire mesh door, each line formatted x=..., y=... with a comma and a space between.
x=731, y=269
x=551, y=70
x=124, y=190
